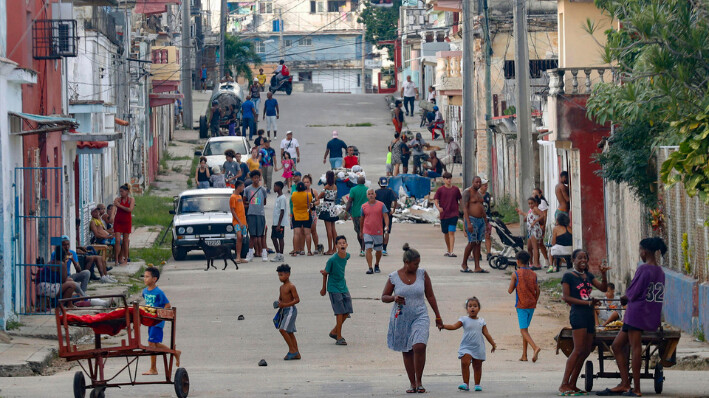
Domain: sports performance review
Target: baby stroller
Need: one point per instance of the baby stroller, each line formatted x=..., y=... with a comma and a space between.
x=425, y=107
x=512, y=244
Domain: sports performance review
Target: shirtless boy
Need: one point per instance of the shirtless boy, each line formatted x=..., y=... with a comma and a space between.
x=287, y=300
x=562, y=194
x=475, y=221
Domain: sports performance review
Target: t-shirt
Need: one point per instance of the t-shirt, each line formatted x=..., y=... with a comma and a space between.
x=487, y=203
x=259, y=140
x=373, y=222
x=244, y=171
x=646, y=294
x=351, y=161
x=261, y=79
x=252, y=164
x=386, y=196
x=358, y=194
x=155, y=298
x=301, y=204
x=335, y=269
x=578, y=287
x=417, y=146
x=236, y=202
x=247, y=110
x=290, y=147
x=604, y=315
x=256, y=196
x=409, y=89
x=336, y=146
x=525, y=288
x=255, y=91
x=270, y=107
x=74, y=259
x=204, y=73
x=448, y=199
x=267, y=155
x=543, y=205
x=231, y=169
x=281, y=204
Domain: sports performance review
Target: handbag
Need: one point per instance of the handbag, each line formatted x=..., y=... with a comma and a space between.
x=278, y=318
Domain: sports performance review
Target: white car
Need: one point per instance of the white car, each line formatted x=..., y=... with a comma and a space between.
x=216, y=146
x=201, y=214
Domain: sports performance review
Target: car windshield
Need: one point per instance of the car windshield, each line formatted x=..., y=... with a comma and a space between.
x=219, y=147
x=204, y=204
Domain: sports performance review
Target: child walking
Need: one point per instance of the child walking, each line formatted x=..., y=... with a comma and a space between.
x=280, y=216
x=524, y=284
x=287, y=299
x=287, y=168
x=154, y=297
x=472, y=346
x=336, y=285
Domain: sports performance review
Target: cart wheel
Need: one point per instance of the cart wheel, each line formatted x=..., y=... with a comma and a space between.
x=98, y=392
x=79, y=385
x=659, y=378
x=182, y=383
x=492, y=261
x=589, y=376
x=502, y=263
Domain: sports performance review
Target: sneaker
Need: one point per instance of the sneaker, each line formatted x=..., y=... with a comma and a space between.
x=107, y=279
x=361, y=253
x=376, y=269
x=370, y=271
x=464, y=387
x=249, y=256
x=264, y=252
x=550, y=269
x=478, y=387
x=384, y=253
x=264, y=256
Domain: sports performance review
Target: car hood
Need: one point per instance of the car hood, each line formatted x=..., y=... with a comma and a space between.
x=218, y=160
x=201, y=218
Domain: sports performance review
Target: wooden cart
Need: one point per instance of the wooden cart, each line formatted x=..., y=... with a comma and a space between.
x=93, y=360
x=661, y=343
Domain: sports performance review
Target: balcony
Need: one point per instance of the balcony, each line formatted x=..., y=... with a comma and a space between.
x=561, y=79
x=102, y=22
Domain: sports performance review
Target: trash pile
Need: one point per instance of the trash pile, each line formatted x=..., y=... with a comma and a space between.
x=410, y=210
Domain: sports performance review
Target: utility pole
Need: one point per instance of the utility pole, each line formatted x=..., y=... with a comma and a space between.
x=364, y=71
x=469, y=161
x=524, y=137
x=222, y=38
x=186, y=76
x=281, y=44
x=488, y=96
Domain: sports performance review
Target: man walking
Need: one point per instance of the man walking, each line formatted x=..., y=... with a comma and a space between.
x=272, y=112
x=268, y=156
x=387, y=196
x=215, y=120
x=334, y=149
x=290, y=145
x=371, y=229
x=249, y=115
x=410, y=92
x=447, y=201
x=204, y=77
x=475, y=221
x=562, y=194
x=255, y=201
x=358, y=197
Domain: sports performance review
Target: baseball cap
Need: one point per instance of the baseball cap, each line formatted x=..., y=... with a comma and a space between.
x=289, y=132
x=483, y=180
x=297, y=173
x=64, y=237
x=383, y=181
x=334, y=133
x=255, y=79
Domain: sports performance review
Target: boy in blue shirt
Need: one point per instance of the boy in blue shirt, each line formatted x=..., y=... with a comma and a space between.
x=154, y=297
x=340, y=298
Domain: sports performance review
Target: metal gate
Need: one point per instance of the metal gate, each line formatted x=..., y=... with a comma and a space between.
x=37, y=227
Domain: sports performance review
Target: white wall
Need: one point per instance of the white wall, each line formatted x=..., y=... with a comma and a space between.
x=338, y=80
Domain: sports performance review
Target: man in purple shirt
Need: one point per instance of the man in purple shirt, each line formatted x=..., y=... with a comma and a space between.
x=644, y=299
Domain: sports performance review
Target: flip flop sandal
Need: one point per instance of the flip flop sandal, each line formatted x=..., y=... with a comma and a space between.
x=466, y=271
x=482, y=271
x=302, y=252
x=412, y=390
x=631, y=393
x=341, y=341
x=446, y=255
x=608, y=393
x=332, y=336
x=294, y=254
x=421, y=390
x=310, y=254
x=452, y=255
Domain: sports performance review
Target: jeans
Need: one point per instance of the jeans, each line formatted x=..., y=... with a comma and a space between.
x=335, y=163
x=409, y=101
x=203, y=185
x=247, y=123
x=82, y=281
x=256, y=101
x=267, y=173
x=232, y=128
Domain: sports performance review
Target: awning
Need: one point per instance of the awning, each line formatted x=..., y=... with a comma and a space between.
x=35, y=124
x=152, y=6
x=448, y=5
x=91, y=144
x=73, y=136
x=162, y=99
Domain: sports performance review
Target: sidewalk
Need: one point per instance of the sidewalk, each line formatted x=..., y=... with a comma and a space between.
x=173, y=181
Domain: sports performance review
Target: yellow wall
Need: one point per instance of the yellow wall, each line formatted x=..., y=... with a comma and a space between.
x=576, y=46
x=170, y=70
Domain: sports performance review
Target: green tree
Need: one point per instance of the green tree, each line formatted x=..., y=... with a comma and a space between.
x=661, y=53
x=380, y=23
x=240, y=56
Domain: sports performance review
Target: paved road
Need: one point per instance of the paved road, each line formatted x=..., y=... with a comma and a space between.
x=221, y=353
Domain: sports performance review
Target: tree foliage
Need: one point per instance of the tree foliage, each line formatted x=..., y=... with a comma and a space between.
x=380, y=22
x=240, y=55
x=661, y=53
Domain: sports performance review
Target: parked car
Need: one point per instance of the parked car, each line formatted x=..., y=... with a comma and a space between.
x=230, y=97
x=201, y=213
x=216, y=146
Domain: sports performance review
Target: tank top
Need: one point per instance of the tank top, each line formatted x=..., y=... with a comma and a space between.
x=525, y=288
x=202, y=175
x=565, y=239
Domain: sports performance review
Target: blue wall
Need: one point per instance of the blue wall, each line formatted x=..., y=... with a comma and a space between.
x=678, y=306
x=704, y=308
x=323, y=48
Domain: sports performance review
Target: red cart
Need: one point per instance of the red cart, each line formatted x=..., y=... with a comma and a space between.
x=93, y=360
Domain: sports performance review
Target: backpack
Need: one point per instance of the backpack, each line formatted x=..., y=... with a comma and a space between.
x=285, y=71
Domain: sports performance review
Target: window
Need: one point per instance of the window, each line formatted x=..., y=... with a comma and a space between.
x=536, y=67
x=317, y=6
x=335, y=5
x=287, y=43
x=305, y=76
x=265, y=7
x=260, y=47
x=305, y=41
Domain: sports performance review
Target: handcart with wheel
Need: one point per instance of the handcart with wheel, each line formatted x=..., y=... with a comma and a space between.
x=660, y=345
x=93, y=360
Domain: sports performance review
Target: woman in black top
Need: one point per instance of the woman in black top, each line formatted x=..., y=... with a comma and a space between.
x=577, y=286
x=202, y=174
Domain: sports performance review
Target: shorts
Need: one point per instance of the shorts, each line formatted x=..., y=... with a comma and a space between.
x=303, y=224
x=325, y=216
x=375, y=242
x=288, y=319
x=389, y=168
x=155, y=334
x=432, y=174
x=335, y=163
x=405, y=160
x=105, y=241
x=277, y=232
x=449, y=224
x=257, y=225
x=557, y=212
x=341, y=303
x=524, y=317
x=478, y=233
x=271, y=123
x=582, y=319
x=626, y=328
x=48, y=289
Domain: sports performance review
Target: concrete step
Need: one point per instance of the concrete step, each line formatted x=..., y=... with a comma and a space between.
x=25, y=357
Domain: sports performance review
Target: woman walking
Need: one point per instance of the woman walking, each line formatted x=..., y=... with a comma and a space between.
x=312, y=233
x=123, y=223
x=534, y=230
x=301, y=200
x=328, y=212
x=577, y=286
x=398, y=118
x=396, y=153
x=202, y=175
x=409, y=288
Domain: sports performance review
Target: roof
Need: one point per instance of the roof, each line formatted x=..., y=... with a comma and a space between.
x=33, y=124
x=207, y=191
x=227, y=138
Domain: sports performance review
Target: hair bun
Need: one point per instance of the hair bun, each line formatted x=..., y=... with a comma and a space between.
x=406, y=247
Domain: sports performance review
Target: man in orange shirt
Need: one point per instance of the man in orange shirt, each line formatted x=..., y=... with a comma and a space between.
x=238, y=214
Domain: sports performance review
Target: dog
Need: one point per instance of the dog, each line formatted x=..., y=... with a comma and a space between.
x=222, y=252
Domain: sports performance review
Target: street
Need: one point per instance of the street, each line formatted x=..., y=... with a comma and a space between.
x=221, y=353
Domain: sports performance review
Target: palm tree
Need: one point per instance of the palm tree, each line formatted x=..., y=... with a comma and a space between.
x=239, y=56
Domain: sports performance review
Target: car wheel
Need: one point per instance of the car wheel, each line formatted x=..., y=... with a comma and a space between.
x=179, y=253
